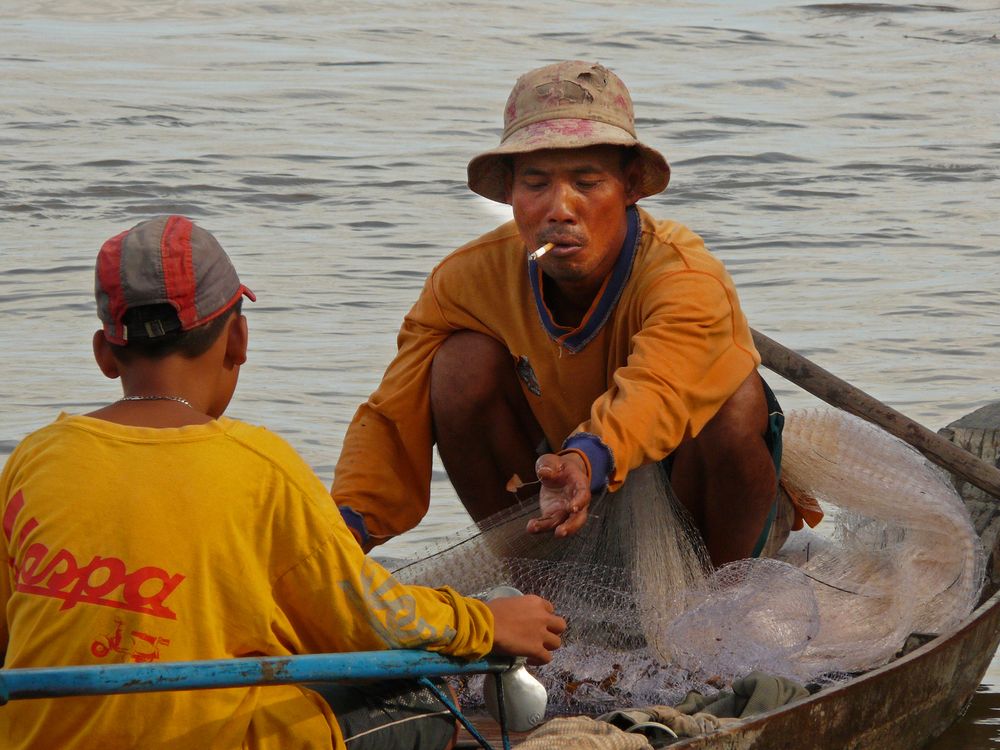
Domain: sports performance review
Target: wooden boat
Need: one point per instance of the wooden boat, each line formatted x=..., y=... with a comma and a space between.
x=913, y=699
x=901, y=706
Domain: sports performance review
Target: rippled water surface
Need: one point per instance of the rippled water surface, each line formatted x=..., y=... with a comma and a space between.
x=841, y=158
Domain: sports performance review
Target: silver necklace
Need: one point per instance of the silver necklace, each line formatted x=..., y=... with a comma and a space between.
x=178, y=399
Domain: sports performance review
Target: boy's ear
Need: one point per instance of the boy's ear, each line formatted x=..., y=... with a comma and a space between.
x=104, y=356
x=237, y=338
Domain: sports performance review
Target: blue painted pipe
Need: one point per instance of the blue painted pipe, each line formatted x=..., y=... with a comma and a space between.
x=55, y=682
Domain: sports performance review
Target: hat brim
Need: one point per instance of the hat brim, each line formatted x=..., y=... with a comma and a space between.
x=487, y=172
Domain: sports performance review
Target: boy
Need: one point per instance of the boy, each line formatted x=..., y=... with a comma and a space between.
x=156, y=529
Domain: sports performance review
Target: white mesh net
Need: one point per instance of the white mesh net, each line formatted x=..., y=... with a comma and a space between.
x=648, y=619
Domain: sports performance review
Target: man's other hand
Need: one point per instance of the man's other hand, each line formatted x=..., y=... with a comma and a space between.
x=564, y=496
x=526, y=626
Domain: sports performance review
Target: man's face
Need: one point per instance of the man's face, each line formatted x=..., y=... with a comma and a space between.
x=576, y=199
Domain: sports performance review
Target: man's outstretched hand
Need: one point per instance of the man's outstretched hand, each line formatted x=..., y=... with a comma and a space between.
x=526, y=626
x=564, y=496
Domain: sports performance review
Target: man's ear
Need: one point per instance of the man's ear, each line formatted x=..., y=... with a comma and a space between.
x=237, y=339
x=633, y=180
x=104, y=356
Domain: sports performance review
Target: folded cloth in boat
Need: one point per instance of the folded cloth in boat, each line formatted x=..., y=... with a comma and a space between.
x=754, y=694
x=672, y=722
x=582, y=733
x=654, y=727
x=647, y=722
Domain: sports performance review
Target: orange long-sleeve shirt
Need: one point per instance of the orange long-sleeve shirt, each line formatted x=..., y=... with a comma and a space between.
x=663, y=347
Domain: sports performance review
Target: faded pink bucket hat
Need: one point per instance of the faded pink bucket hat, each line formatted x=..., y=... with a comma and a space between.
x=572, y=104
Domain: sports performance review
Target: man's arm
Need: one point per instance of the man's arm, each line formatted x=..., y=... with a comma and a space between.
x=382, y=478
x=691, y=353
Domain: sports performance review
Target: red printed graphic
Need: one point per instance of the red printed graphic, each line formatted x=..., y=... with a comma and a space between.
x=103, y=581
x=138, y=647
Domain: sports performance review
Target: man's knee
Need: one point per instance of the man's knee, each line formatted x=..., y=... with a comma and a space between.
x=741, y=419
x=726, y=476
x=468, y=373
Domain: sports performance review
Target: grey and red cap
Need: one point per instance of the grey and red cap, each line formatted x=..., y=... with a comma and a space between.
x=167, y=260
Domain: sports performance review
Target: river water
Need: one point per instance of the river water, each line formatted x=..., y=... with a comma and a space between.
x=841, y=159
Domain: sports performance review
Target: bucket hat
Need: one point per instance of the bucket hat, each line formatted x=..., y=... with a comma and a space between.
x=571, y=104
x=167, y=260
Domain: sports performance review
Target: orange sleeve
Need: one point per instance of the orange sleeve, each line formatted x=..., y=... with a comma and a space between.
x=690, y=354
x=384, y=470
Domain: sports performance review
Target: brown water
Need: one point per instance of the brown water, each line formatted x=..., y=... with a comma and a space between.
x=841, y=158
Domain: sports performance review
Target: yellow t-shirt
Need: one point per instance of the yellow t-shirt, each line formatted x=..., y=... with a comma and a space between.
x=134, y=544
x=663, y=347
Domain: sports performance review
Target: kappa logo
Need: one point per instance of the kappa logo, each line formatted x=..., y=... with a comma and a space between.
x=527, y=374
x=104, y=581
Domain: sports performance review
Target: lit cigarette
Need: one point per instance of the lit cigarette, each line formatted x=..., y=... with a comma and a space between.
x=541, y=251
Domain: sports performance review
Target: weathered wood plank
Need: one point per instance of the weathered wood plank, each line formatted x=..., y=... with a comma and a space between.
x=979, y=433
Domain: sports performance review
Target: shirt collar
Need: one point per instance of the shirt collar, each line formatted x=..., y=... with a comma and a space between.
x=575, y=339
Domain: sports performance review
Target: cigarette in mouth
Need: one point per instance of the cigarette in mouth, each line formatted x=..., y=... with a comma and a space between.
x=541, y=251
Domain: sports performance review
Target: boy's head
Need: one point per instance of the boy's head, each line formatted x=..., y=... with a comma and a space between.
x=161, y=284
x=169, y=301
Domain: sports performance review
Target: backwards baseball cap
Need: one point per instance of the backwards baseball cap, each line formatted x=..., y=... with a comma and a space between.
x=571, y=104
x=167, y=260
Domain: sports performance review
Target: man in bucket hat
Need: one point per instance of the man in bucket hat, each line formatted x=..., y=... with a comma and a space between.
x=585, y=325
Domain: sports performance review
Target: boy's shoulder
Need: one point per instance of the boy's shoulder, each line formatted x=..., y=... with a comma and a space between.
x=268, y=444
x=42, y=435
x=273, y=449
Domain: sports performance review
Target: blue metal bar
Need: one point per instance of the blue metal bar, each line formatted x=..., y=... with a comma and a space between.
x=54, y=682
x=457, y=713
x=502, y=709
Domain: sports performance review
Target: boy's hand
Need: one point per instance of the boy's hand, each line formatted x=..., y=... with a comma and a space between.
x=526, y=626
x=565, y=494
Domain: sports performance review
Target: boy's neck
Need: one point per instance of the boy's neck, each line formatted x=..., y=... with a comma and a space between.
x=151, y=410
x=175, y=389
x=170, y=391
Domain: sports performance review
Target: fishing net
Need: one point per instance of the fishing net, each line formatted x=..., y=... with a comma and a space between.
x=648, y=619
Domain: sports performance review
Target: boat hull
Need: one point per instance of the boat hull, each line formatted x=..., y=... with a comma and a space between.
x=903, y=705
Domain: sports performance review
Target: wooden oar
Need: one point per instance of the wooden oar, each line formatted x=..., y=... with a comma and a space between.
x=836, y=392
